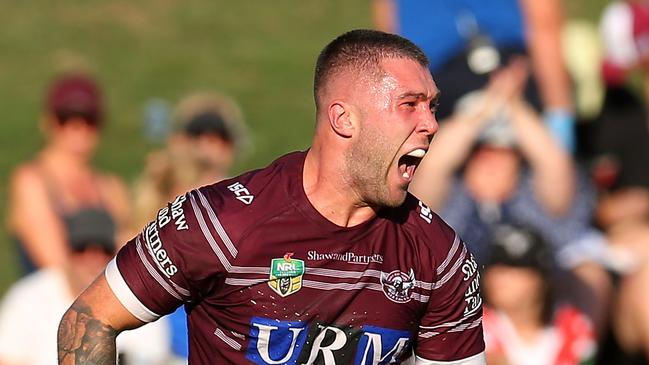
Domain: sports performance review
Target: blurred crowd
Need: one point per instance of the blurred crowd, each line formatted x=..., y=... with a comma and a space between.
x=539, y=165
x=68, y=219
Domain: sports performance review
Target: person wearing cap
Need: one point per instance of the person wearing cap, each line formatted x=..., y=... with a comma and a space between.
x=211, y=126
x=60, y=185
x=31, y=309
x=208, y=135
x=524, y=322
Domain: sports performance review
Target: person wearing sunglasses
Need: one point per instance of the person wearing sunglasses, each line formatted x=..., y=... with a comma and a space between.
x=60, y=185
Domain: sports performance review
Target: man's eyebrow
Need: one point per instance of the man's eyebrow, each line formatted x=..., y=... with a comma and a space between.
x=419, y=96
x=411, y=95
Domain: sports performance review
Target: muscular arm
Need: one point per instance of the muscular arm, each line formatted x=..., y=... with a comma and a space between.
x=88, y=329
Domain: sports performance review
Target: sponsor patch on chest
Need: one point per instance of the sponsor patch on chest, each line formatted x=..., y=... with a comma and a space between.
x=281, y=342
x=398, y=285
x=348, y=257
x=286, y=275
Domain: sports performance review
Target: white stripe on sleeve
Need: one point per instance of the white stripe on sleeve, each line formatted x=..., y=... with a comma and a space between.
x=125, y=295
x=479, y=359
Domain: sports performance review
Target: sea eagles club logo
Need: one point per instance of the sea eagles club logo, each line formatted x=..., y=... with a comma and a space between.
x=286, y=275
x=398, y=285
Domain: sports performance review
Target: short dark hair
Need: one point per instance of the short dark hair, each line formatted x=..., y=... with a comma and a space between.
x=362, y=50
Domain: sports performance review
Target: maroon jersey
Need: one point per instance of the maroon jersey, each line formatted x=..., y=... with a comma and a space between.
x=266, y=279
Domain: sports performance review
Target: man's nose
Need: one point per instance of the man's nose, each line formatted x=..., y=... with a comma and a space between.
x=428, y=124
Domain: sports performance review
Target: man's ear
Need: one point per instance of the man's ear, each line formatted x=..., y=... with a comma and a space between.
x=340, y=119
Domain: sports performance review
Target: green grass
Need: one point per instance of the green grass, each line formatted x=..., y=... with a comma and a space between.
x=262, y=53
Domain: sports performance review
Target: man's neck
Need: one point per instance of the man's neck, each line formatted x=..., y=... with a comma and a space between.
x=330, y=194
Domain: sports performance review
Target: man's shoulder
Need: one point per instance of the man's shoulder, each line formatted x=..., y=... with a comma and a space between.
x=246, y=189
x=242, y=201
x=423, y=222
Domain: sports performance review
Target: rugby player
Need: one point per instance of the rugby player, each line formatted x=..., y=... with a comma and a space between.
x=322, y=257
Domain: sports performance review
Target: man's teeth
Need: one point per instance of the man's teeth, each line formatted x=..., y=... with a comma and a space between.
x=419, y=153
x=406, y=175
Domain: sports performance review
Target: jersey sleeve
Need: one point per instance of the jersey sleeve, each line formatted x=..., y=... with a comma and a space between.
x=183, y=252
x=450, y=331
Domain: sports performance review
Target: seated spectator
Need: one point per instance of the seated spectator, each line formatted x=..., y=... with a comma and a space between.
x=495, y=163
x=523, y=322
x=209, y=133
x=32, y=308
x=60, y=186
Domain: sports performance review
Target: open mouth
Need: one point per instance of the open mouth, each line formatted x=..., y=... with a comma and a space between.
x=408, y=163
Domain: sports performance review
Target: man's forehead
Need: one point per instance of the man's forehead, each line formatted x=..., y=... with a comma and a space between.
x=408, y=78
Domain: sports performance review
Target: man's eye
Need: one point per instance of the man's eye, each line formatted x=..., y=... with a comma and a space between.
x=410, y=104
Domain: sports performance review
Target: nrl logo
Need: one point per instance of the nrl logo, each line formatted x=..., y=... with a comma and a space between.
x=398, y=285
x=286, y=275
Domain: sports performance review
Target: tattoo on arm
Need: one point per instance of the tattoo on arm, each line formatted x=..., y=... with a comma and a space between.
x=83, y=339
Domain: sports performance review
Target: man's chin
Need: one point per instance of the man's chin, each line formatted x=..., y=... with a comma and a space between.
x=396, y=199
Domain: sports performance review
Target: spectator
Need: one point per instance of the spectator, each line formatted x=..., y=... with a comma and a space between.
x=620, y=136
x=60, y=186
x=524, y=323
x=467, y=39
x=620, y=149
x=33, y=306
x=493, y=163
x=508, y=163
x=209, y=133
x=620, y=145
